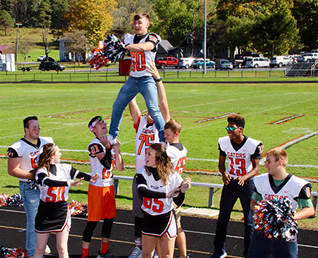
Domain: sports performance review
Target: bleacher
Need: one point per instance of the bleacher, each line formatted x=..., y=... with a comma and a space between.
x=302, y=69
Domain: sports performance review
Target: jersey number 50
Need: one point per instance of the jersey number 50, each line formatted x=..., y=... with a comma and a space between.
x=138, y=61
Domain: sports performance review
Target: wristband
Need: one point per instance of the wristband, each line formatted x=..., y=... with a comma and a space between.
x=158, y=80
x=69, y=182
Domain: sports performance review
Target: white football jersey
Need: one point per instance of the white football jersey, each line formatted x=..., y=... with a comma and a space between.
x=139, y=60
x=178, y=157
x=55, y=193
x=158, y=206
x=290, y=189
x=145, y=136
x=28, y=152
x=240, y=161
x=105, y=175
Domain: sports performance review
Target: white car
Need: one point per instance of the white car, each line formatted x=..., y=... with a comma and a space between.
x=185, y=62
x=256, y=62
x=307, y=57
x=279, y=61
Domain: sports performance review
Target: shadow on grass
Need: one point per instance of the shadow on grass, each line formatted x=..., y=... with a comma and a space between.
x=122, y=197
x=11, y=186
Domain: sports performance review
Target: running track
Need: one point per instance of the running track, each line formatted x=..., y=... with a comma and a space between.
x=199, y=232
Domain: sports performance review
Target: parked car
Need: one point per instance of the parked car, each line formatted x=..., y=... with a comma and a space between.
x=279, y=61
x=46, y=66
x=223, y=64
x=306, y=57
x=43, y=58
x=198, y=64
x=167, y=61
x=257, y=62
x=185, y=62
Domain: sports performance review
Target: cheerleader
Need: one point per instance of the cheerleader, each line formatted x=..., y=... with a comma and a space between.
x=54, y=180
x=160, y=187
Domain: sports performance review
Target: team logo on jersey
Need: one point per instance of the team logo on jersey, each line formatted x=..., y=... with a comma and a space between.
x=153, y=38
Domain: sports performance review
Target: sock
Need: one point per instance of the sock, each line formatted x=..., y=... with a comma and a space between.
x=85, y=252
x=138, y=242
x=104, y=247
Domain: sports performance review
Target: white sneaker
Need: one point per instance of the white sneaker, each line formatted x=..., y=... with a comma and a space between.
x=136, y=253
x=156, y=254
x=47, y=250
x=112, y=140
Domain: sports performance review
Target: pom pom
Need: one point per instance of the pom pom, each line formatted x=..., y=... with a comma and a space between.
x=275, y=218
x=16, y=252
x=77, y=209
x=109, y=50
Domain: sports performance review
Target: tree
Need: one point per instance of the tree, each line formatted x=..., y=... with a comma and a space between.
x=25, y=45
x=93, y=16
x=175, y=19
x=276, y=33
x=6, y=21
x=306, y=14
x=59, y=9
x=124, y=14
x=78, y=43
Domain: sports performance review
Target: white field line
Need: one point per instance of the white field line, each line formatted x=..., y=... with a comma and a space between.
x=188, y=158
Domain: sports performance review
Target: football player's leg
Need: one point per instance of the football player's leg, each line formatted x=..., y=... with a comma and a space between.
x=149, y=91
x=125, y=95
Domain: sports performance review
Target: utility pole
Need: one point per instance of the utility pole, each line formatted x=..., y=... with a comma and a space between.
x=192, y=38
x=16, y=50
x=204, y=42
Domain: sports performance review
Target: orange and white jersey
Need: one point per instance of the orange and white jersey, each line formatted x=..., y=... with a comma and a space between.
x=28, y=152
x=158, y=206
x=178, y=155
x=240, y=161
x=290, y=188
x=55, y=193
x=105, y=175
x=146, y=134
x=139, y=60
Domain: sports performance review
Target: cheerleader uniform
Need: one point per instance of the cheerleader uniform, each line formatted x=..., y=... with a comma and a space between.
x=53, y=214
x=159, y=216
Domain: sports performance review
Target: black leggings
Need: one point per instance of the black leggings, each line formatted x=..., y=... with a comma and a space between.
x=91, y=225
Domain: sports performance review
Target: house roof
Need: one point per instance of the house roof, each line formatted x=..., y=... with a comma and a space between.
x=63, y=39
x=164, y=46
x=2, y=47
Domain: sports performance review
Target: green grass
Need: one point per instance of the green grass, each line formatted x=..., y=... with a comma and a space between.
x=65, y=109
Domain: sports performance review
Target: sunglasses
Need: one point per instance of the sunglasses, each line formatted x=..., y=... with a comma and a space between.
x=231, y=128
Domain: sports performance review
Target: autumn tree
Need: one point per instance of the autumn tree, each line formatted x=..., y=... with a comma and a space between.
x=77, y=42
x=93, y=16
x=6, y=21
x=125, y=12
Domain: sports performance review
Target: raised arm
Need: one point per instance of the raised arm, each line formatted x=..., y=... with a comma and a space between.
x=134, y=110
x=164, y=107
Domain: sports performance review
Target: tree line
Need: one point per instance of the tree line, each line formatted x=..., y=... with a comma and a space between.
x=272, y=27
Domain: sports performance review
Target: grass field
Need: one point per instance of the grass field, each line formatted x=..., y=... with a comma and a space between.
x=276, y=114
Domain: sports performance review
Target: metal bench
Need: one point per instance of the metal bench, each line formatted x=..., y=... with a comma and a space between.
x=209, y=185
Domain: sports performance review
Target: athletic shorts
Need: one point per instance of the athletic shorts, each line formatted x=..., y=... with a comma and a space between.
x=159, y=225
x=177, y=210
x=101, y=203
